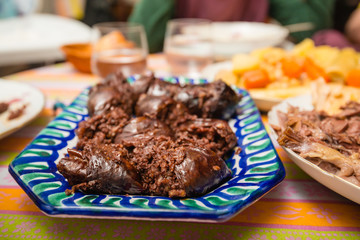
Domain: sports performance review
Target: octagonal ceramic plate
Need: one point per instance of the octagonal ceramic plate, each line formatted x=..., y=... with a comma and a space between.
x=255, y=171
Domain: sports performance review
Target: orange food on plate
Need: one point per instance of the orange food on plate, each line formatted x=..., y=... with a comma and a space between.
x=272, y=74
x=255, y=79
x=353, y=78
x=275, y=69
x=292, y=67
x=313, y=71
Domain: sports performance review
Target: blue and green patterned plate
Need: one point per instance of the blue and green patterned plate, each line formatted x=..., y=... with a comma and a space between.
x=256, y=170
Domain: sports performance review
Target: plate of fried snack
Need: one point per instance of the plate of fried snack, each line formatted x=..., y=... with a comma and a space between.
x=320, y=132
x=273, y=74
x=150, y=148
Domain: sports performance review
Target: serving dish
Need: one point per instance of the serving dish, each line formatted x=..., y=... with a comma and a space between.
x=19, y=94
x=79, y=55
x=230, y=38
x=38, y=37
x=263, y=98
x=329, y=180
x=256, y=170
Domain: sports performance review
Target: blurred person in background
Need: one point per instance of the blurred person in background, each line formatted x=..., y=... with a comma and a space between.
x=304, y=18
x=353, y=28
x=346, y=29
x=154, y=14
x=107, y=11
x=89, y=11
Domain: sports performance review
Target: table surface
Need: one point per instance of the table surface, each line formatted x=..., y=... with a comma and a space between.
x=299, y=208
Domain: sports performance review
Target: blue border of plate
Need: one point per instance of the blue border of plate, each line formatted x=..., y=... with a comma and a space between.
x=256, y=170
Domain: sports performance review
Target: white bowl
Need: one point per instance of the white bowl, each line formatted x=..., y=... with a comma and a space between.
x=333, y=182
x=230, y=38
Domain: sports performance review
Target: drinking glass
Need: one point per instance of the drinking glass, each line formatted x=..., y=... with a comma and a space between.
x=188, y=46
x=118, y=46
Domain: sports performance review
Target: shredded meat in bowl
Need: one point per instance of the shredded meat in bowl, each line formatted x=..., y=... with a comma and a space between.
x=331, y=142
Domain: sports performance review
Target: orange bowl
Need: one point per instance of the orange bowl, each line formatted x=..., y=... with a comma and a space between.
x=79, y=55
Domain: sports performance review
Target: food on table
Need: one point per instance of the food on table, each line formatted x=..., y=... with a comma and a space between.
x=214, y=100
x=114, y=39
x=214, y=134
x=3, y=107
x=12, y=113
x=18, y=112
x=327, y=137
x=255, y=79
x=142, y=129
x=163, y=108
x=114, y=91
x=117, y=49
x=353, y=78
x=79, y=54
x=332, y=96
x=171, y=148
x=277, y=73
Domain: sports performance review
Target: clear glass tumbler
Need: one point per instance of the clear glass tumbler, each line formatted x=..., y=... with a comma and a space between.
x=118, y=46
x=188, y=46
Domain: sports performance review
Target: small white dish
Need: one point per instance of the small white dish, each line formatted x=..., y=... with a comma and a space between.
x=38, y=37
x=329, y=180
x=230, y=38
x=19, y=94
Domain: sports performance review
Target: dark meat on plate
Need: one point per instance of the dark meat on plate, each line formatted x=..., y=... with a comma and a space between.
x=213, y=134
x=103, y=98
x=100, y=169
x=118, y=81
x=212, y=100
x=173, y=170
x=113, y=91
x=102, y=128
x=142, y=129
x=162, y=88
x=164, y=169
x=163, y=108
x=142, y=84
x=166, y=150
x=3, y=107
x=331, y=142
x=200, y=171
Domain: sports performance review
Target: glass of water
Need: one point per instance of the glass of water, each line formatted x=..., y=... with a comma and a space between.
x=188, y=46
x=118, y=46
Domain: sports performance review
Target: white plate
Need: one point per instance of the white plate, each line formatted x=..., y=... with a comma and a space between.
x=230, y=38
x=38, y=37
x=211, y=70
x=329, y=180
x=19, y=94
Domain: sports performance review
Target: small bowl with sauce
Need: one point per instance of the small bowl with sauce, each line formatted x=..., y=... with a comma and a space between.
x=79, y=55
